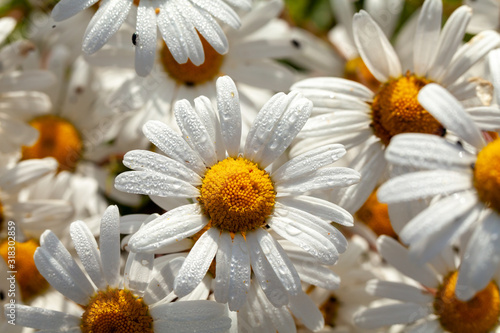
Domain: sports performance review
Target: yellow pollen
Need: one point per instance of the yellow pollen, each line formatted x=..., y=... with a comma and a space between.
x=396, y=109
x=30, y=281
x=478, y=315
x=116, y=310
x=188, y=73
x=237, y=195
x=356, y=70
x=59, y=139
x=376, y=216
x=487, y=175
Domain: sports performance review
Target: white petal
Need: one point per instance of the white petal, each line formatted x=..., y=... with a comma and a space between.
x=494, y=66
x=145, y=46
x=223, y=257
x=423, y=184
x=333, y=85
x=449, y=112
x=219, y=10
x=427, y=151
x=150, y=161
x=265, y=275
x=276, y=125
x=448, y=209
x=481, y=258
x=169, y=228
x=325, y=178
x=304, y=309
x=239, y=282
x=371, y=165
x=397, y=256
x=153, y=183
x=109, y=245
x=197, y=262
x=180, y=36
x=7, y=25
x=487, y=118
x=428, y=326
x=279, y=261
x=308, y=162
x=228, y=104
x=137, y=272
x=105, y=22
x=398, y=291
x=220, y=324
x=204, y=109
x=401, y=313
x=86, y=247
x=26, y=172
x=319, y=207
x=449, y=41
x=427, y=36
x=57, y=266
x=173, y=145
x=44, y=319
x=469, y=54
x=194, y=131
x=368, y=36
x=188, y=311
x=67, y=8
x=336, y=123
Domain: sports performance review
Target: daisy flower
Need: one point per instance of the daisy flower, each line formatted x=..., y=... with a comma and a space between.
x=464, y=177
x=237, y=198
x=428, y=303
x=181, y=22
x=138, y=302
x=349, y=113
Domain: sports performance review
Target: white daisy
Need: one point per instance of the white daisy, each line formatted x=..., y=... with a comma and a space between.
x=141, y=302
x=464, y=176
x=181, y=22
x=429, y=303
x=237, y=212
x=349, y=113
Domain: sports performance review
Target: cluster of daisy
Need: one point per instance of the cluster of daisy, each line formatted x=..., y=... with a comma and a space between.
x=246, y=170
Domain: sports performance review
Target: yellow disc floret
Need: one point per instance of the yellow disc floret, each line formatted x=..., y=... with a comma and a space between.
x=59, y=139
x=116, y=310
x=188, y=73
x=237, y=195
x=375, y=215
x=30, y=281
x=478, y=315
x=487, y=175
x=396, y=109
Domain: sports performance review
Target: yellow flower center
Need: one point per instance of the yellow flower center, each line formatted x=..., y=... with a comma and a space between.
x=190, y=74
x=487, y=175
x=59, y=139
x=396, y=109
x=30, y=281
x=478, y=315
x=116, y=310
x=376, y=216
x=356, y=70
x=237, y=195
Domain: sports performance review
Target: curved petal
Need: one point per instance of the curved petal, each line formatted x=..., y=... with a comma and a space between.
x=228, y=105
x=145, y=46
x=368, y=36
x=427, y=36
x=109, y=245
